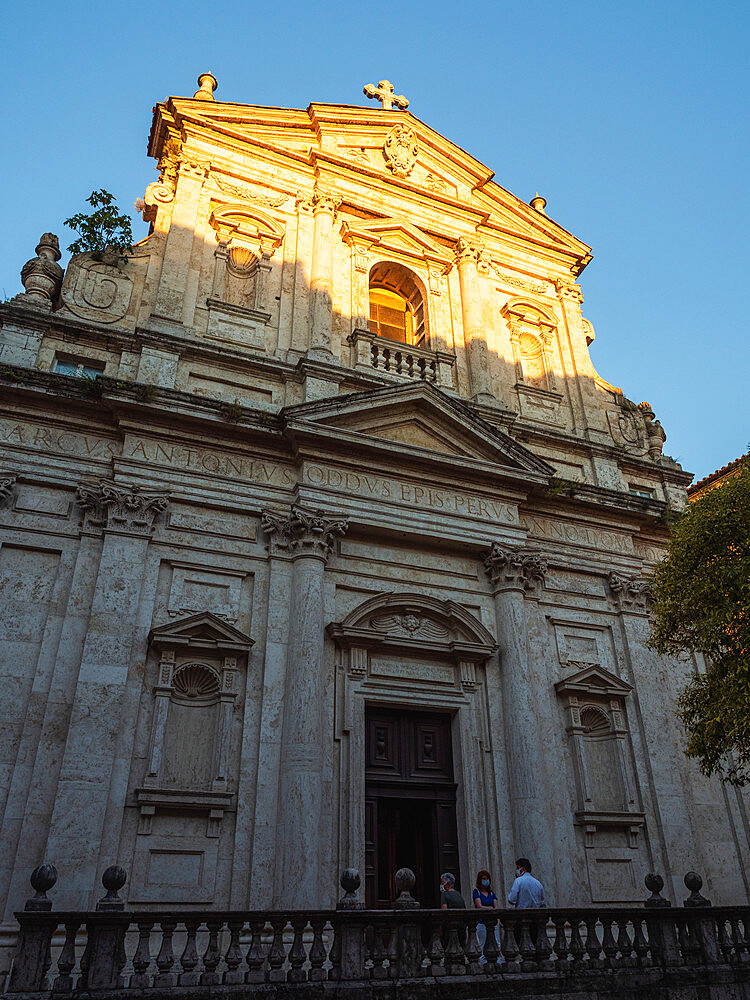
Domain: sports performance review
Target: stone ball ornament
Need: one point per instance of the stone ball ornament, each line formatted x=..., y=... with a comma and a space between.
x=113, y=879
x=350, y=880
x=694, y=883
x=405, y=880
x=655, y=884
x=43, y=878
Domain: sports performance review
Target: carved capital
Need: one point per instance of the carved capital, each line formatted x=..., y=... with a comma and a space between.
x=194, y=167
x=123, y=508
x=629, y=593
x=324, y=202
x=569, y=290
x=302, y=533
x=469, y=252
x=511, y=568
x=6, y=487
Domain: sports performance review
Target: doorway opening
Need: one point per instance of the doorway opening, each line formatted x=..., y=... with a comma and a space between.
x=410, y=803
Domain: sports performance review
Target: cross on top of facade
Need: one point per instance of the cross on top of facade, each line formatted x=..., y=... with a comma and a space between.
x=384, y=93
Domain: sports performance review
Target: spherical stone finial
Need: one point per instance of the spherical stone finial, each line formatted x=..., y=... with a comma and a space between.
x=207, y=84
x=405, y=880
x=350, y=880
x=42, y=879
x=655, y=884
x=538, y=203
x=694, y=882
x=113, y=879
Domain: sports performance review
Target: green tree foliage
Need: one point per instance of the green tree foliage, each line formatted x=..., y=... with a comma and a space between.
x=701, y=597
x=103, y=229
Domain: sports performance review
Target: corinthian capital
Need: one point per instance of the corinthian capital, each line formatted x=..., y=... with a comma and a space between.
x=322, y=201
x=469, y=251
x=6, y=487
x=125, y=508
x=629, y=593
x=302, y=533
x=512, y=568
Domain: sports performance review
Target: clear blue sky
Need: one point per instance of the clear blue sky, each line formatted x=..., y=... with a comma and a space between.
x=631, y=118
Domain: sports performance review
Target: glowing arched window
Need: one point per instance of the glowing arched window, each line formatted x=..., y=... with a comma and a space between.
x=396, y=304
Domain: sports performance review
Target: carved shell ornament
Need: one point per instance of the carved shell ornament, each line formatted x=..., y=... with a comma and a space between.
x=401, y=150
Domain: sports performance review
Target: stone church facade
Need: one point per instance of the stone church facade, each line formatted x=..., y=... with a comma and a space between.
x=325, y=545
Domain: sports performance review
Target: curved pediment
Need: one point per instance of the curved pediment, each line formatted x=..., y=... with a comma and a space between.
x=414, y=621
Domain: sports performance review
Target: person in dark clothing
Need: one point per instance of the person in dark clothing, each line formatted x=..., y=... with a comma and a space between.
x=450, y=897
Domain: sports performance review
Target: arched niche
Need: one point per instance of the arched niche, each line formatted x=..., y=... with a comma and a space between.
x=407, y=650
x=532, y=332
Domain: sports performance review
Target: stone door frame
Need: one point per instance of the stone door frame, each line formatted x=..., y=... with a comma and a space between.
x=443, y=670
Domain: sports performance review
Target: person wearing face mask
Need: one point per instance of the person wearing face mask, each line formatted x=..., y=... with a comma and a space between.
x=526, y=892
x=450, y=897
x=485, y=899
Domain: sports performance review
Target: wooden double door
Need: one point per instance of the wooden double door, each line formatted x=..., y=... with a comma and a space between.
x=410, y=803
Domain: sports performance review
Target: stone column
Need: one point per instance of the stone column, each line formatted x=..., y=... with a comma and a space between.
x=475, y=333
x=324, y=207
x=516, y=576
x=85, y=811
x=309, y=540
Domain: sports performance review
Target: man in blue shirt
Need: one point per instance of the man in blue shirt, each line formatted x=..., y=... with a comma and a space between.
x=526, y=892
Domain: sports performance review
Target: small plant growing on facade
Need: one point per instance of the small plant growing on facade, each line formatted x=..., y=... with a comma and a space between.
x=233, y=411
x=146, y=393
x=104, y=231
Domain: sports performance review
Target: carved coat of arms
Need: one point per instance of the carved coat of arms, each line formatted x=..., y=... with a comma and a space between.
x=401, y=150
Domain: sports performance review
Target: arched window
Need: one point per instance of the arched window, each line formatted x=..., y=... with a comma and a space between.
x=396, y=305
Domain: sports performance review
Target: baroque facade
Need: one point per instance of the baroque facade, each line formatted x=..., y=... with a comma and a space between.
x=325, y=545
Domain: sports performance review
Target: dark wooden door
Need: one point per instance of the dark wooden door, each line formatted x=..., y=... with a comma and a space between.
x=410, y=803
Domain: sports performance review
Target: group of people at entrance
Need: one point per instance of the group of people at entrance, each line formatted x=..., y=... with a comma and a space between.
x=526, y=892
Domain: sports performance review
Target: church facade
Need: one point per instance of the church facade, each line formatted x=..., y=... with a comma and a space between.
x=325, y=545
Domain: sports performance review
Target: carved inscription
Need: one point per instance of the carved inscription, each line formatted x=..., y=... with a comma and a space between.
x=55, y=441
x=210, y=460
x=397, y=491
x=577, y=534
x=437, y=673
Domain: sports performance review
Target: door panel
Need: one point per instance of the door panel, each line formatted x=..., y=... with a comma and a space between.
x=410, y=803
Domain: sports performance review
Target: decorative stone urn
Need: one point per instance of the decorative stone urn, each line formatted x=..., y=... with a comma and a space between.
x=42, y=275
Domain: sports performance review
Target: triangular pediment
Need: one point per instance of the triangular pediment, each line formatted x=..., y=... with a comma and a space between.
x=398, y=235
x=201, y=631
x=420, y=419
x=347, y=141
x=594, y=679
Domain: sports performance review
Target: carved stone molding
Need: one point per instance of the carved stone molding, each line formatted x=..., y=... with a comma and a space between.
x=569, y=290
x=6, y=487
x=512, y=568
x=124, y=508
x=302, y=533
x=629, y=593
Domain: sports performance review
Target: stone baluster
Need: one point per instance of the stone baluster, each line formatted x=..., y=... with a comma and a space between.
x=517, y=576
x=105, y=945
x=309, y=540
x=324, y=208
x=475, y=334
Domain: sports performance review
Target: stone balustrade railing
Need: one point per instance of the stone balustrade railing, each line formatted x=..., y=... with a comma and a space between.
x=123, y=952
x=371, y=352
